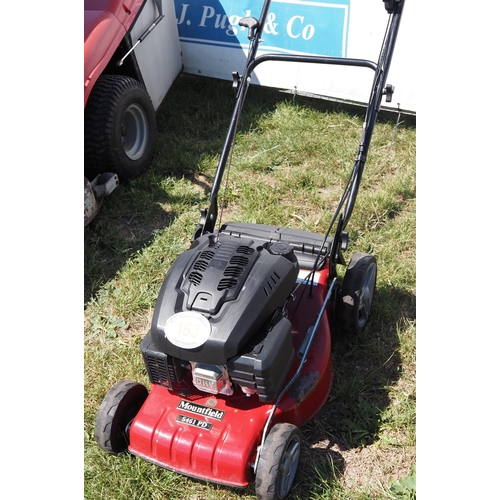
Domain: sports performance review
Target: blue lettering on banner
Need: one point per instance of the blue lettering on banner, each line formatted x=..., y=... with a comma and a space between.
x=292, y=26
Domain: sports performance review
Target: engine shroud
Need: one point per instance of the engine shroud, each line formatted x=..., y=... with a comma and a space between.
x=238, y=284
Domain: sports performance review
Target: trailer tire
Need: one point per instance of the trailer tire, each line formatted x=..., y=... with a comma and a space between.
x=118, y=409
x=119, y=128
x=278, y=462
x=354, y=304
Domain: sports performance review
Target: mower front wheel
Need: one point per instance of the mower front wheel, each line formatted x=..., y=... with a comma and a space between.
x=356, y=296
x=119, y=407
x=278, y=462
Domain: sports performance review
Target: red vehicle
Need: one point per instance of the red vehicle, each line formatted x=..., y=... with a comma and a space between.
x=132, y=56
x=238, y=354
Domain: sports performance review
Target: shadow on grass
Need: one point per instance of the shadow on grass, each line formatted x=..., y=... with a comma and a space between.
x=189, y=126
x=192, y=125
x=365, y=367
x=116, y=233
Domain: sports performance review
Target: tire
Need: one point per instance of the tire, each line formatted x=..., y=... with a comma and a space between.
x=356, y=295
x=120, y=128
x=278, y=462
x=119, y=407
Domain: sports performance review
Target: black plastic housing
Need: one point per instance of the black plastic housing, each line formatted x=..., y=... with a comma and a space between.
x=306, y=246
x=236, y=283
x=162, y=369
x=263, y=364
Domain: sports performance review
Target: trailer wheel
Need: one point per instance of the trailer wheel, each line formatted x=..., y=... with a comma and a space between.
x=356, y=295
x=120, y=127
x=278, y=462
x=119, y=407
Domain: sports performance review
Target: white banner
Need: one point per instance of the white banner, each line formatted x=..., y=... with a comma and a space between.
x=214, y=45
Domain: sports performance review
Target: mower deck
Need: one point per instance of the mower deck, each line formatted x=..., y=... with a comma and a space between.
x=215, y=438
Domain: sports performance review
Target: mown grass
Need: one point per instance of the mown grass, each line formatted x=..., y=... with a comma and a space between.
x=290, y=163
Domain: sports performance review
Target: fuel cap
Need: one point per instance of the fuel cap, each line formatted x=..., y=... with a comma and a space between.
x=281, y=248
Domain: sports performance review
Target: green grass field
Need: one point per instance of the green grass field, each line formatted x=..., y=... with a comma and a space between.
x=289, y=166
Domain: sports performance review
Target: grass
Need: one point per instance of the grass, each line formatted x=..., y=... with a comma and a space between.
x=289, y=165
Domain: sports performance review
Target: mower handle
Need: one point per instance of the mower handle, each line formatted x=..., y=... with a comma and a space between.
x=394, y=8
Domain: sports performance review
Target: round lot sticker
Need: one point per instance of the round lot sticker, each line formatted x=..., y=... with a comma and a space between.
x=187, y=329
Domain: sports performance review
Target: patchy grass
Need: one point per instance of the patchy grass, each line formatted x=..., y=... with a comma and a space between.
x=289, y=165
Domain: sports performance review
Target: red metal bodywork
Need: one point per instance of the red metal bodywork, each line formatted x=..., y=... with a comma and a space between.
x=218, y=438
x=106, y=22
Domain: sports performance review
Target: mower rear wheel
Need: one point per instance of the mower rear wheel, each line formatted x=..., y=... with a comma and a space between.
x=356, y=295
x=119, y=407
x=278, y=462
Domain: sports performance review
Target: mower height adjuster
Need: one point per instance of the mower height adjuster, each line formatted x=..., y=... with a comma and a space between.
x=388, y=91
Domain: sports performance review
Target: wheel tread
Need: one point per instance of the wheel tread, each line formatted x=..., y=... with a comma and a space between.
x=124, y=395
x=99, y=128
x=346, y=314
x=269, y=464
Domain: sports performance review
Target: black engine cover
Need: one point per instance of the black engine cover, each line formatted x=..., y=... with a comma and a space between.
x=236, y=283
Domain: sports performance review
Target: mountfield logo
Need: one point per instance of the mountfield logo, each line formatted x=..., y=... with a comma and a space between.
x=201, y=410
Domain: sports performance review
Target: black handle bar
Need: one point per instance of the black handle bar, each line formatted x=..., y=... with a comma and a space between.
x=395, y=9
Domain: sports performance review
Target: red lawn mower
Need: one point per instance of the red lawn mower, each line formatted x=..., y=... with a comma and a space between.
x=239, y=350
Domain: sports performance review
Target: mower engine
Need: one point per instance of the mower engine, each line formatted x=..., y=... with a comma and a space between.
x=220, y=322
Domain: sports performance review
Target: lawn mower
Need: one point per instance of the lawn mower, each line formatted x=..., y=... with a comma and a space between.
x=239, y=350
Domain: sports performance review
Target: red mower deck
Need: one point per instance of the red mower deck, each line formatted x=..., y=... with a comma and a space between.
x=215, y=438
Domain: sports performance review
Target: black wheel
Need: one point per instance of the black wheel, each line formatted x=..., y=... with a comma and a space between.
x=119, y=407
x=120, y=127
x=278, y=462
x=356, y=295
